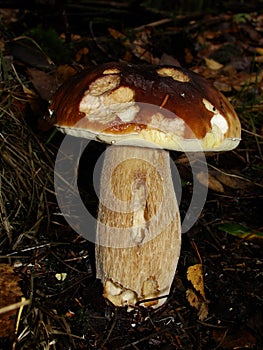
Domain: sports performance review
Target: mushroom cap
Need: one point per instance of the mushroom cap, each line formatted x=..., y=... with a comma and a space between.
x=162, y=106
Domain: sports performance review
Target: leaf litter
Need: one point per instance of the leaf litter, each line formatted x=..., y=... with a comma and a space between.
x=53, y=265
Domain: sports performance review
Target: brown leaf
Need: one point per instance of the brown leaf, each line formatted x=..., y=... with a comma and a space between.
x=195, y=276
x=259, y=50
x=192, y=298
x=194, y=301
x=81, y=53
x=196, y=297
x=117, y=35
x=169, y=60
x=230, y=181
x=44, y=83
x=210, y=181
x=224, y=87
x=212, y=64
x=64, y=72
x=10, y=293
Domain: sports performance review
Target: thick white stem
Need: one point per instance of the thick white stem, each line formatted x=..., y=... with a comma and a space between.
x=138, y=229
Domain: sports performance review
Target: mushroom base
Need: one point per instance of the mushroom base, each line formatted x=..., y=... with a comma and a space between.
x=138, y=236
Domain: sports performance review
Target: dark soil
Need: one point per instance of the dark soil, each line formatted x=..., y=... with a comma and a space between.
x=72, y=313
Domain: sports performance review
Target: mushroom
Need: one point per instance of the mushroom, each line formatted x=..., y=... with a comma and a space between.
x=142, y=111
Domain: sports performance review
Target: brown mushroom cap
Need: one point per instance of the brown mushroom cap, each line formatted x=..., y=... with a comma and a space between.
x=169, y=107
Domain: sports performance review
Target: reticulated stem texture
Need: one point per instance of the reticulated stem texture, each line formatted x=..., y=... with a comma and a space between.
x=138, y=235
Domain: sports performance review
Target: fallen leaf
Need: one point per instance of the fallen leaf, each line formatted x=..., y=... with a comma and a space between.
x=211, y=34
x=259, y=59
x=240, y=231
x=224, y=87
x=231, y=181
x=210, y=181
x=140, y=47
x=64, y=72
x=188, y=56
x=82, y=52
x=10, y=293
x=196, y=296
x=43, y=82
x=27, y=51
x=259, y=50
x=195, y=302
x=117, y=34
x=195, y=276
x=212, y=64
x=169, y=60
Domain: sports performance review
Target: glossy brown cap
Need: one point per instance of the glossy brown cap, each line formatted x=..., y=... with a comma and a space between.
x=163, y=106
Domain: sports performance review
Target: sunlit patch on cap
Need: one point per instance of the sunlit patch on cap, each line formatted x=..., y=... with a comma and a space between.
x=111, y=71
x=217, y=120
x=101, y=85
x=173, y=73
x=121, y=95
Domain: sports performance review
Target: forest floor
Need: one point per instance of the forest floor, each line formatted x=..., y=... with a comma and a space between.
x=46, y=267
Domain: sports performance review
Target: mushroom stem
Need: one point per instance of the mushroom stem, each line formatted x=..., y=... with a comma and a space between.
x=138, y=230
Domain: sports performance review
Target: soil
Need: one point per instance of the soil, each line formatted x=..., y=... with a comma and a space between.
x=56, y=266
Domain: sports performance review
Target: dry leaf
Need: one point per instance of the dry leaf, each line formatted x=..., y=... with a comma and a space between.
x=81, y=53
x=29, y=93
x=196, y=297
x=224, y=87
x=63, y=73
x=195, y=276
x=210, y=181
x=10, y=293
x=117, y=35
x=211, y=34
x=140, y=45
x=169, y=60
x=192, y=298
x=212, y=64
x=188, y=56
x=43, y=82
x=230, y=181
x=259, y=59
x=195, y=301
x=259, y=50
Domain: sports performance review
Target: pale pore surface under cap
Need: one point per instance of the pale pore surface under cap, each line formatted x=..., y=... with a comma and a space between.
x=174, y=126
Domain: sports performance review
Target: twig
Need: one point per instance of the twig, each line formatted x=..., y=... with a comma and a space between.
x=110, y=331
x=252, y=133
x=14, y=306
x=153, y=24
x=197, y=252
x=235, y=176
x=144, y=338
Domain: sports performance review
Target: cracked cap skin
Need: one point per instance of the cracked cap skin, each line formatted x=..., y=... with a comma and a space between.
x=146, y=105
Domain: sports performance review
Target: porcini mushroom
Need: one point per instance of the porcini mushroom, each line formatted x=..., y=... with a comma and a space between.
x=142, y=111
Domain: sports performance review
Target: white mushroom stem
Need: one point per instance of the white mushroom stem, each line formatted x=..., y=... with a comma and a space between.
x=138, y=229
